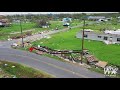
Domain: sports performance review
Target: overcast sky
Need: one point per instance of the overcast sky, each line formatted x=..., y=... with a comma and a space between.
x=12, y=13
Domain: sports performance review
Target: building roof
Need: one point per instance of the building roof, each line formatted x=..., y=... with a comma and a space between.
x=101, y=33
x=88, y=30
x=96, y=17
x=66, y=19
x=112, y=32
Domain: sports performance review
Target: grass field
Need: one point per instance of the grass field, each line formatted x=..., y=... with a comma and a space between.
x=108, y=25
x=15, y=28
x=5, y=31
x=20, y=71
x=67, y=40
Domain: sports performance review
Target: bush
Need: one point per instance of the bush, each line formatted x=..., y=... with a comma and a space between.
x=102, y=29
x=3, y=34
x=29, y=33
x=18, y=36
x=42, y=22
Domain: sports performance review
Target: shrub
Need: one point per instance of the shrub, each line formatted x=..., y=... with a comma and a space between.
x=29, y=33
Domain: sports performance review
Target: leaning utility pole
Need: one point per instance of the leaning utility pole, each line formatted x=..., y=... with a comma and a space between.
x=82, y=41
x=21, y=34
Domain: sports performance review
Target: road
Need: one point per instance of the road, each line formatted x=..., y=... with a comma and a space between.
x=54, y=67
x=7, y=44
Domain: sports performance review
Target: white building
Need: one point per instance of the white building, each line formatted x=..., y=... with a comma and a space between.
x=66, y=21
x=117, y=32
x=96, y=17
x=107, y=37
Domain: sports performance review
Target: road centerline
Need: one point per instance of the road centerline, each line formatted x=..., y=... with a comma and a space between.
x=55, y=66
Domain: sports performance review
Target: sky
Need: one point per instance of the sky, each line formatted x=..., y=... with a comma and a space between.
x=13, y=13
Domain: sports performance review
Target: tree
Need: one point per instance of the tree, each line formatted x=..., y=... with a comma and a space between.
x=42, y=22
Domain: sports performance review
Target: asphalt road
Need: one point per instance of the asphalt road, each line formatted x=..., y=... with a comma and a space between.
x=54, y=67
x=7, y=44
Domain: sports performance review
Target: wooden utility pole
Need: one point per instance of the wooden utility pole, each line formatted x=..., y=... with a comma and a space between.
x=21, y=34
x=82, y=41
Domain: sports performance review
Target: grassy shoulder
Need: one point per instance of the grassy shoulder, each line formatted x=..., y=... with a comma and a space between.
x=55, y=57
x=101, y=70
x=6, y=31
x=11, y=69
x=45, y=54
x=104, y=25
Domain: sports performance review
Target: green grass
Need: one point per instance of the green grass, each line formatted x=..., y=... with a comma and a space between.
x=6, y=31
x=108, y=25
x=53, y=26
x=61, y=40
x=67, y=40
x=22, y=71
x=16, y=27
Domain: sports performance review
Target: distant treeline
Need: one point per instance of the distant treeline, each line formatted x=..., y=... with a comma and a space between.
x=59, y=16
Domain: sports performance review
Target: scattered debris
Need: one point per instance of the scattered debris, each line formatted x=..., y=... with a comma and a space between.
x=91, y=59
x=15, y=44
x=9, y=39
x=38, y=46
x=84, y=65
x=13, y=66
x=13, y=76
x=19, y=44
x=101, y=64
x=5, y=64
x=27, y=44
x=39, y=52
x=48, y=37
x=66, y=59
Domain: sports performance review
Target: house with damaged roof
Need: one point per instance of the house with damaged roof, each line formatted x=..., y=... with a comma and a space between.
x=4, y=21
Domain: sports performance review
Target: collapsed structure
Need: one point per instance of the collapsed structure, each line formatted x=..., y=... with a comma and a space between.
x=4, y=21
